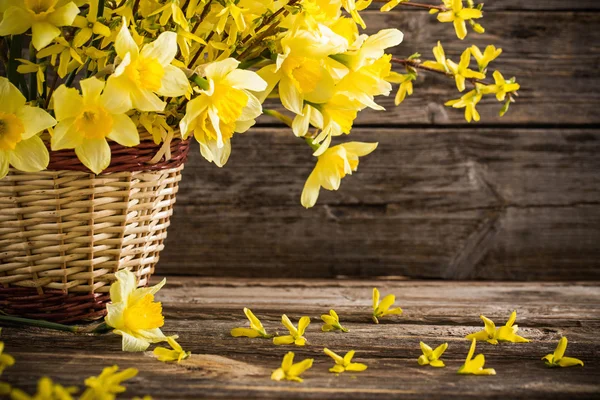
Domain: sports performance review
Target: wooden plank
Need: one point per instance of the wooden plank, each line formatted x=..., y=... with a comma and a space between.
x=516, y=5
x=552, y=55
x=451, y=203
x=203, y=311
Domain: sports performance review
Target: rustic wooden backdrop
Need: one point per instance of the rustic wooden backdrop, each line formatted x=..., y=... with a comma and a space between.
x=513, y=198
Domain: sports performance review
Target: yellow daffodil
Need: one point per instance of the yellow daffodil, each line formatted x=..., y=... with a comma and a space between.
x=296, y=336
x=176, y=353
x=6, y=360
x=44, y=17
x=89, y=25
x=144, y=73
x=86, y=121
x=290, y=371
x=333, y=165
x=430, y=356
x=381, y=309
x=557, y=359
x=134, y=314
x=256, y=327
x=406, y=85
x=474, y=366
x=47, y=389
x=223, y=107
x=20, y=144
x=440, y=62
x=458, y=15
x=344, y=363
x=493, y=335
x=108, y=384
x=461, y=70
x=332, y=322
x=468, y=101
x=483, y=59
x=502, y=86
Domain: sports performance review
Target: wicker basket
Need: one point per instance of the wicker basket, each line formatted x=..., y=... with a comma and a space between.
x=64, y=232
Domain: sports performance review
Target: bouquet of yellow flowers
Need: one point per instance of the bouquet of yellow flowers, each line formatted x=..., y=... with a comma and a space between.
x=81, y=74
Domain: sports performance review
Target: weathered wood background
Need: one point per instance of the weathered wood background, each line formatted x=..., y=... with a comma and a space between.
x=509, y=198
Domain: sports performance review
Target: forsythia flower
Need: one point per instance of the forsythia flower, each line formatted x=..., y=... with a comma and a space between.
x=344, y=363
x=458, y=15
x=86, y=121
x=20, y=146
x=474, y=366
x=332, y=322
x=461, y=70
x=142, y=74
x=223, y=107
x=382, y=308
x=176, y=353
x=333, y=165
x=89, y=25
x=483, y=59
x=440, y=62
x=256, y=327
x=291, y=371
x=406, y=85
x=133, y=312
x=44, y=17
x=430, y=356
x=501, y=86
x=468, y=101
x=493, y=335
x=46, y=389
x=6, y=360
x=296, y=336
x=108, y=384
x=557, y=359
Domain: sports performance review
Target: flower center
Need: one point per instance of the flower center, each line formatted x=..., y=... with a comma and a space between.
x=40, y=6
x=11, y=130
x=94, y=123
x=145, y=314
x=304, y=72
x=146, y=73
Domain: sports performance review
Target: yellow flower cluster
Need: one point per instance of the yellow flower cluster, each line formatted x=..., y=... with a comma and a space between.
x=204, y=68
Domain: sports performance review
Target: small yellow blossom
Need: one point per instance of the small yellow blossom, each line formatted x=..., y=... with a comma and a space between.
x=20, y=144
x=344, y=363
x=133, y=312
x=89, y=25
x=381, y=309
x=557, y=358
x=440, y=62
x=333, y=165
x=493, y=335
x=6, y=360
x=483, y=59
x=501, y=87
x=458, y=15
x=108, y=384
x=176, y=353
x=296, y=336
x=256, y=327
x=461, y=70
x=474, y=366
x=332, y=322
x=390, y=5
x=406, y=85
x=44, y=17
x=28, y=67
x=291, y=371
x=47, y=389
x=432, y=357
x=468, y=101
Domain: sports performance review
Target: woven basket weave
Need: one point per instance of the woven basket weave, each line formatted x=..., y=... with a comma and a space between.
x=64, y=232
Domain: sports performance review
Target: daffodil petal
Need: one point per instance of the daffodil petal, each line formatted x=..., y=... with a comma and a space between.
x=174, y=82
x=94, y=154
x=34, y=120
x=124, y=131
x=30, y=155
x=4, y=162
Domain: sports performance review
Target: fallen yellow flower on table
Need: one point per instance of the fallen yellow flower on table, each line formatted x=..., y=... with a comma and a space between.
x=256, y=327
x=291, y=371
x=432, y=357
x=474, y=366
x=133, y=312
x=175, y=354
x=493, y=335
x=6, y=360
x=332, y=322
x=344, y=363
x=296, y=336
x=108, y=383
x=382, y=308
x=557, y=358
x=46, y=389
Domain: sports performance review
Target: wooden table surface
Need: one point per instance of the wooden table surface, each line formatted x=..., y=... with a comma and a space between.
x=203, y=310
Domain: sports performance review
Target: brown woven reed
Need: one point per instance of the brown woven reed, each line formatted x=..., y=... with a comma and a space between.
x=64, y=232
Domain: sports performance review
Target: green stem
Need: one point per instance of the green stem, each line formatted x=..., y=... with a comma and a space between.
x=100, y=9
x=200, y=81
x=32, y=76
x=14, y=53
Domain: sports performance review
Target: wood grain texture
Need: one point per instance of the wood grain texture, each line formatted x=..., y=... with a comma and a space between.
x=203, y=311
x=437, y=203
